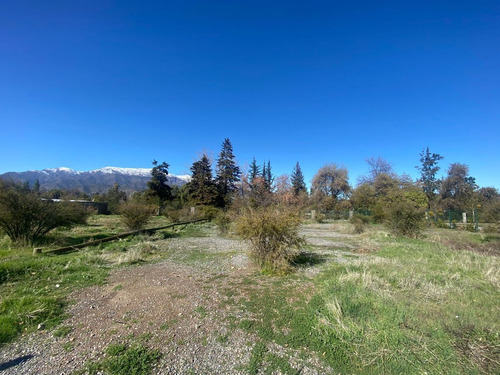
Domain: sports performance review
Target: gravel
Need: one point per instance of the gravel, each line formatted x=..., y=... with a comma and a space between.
x=177, y=306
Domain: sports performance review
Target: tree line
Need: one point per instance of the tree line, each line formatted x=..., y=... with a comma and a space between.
x=330, y=187
x=381, y=192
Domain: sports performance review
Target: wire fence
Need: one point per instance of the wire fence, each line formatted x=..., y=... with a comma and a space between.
x=67, y=249
x=441, y=219
x=453, y=219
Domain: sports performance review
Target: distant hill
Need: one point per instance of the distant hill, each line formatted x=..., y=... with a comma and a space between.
x=95, y=181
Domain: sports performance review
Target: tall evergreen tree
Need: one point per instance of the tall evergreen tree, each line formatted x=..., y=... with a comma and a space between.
x=267, y=175
x=114, y=197
x=202, y=189
x=36, y=186
x=457, y=189
x=254, y=171
x=298, y=183
x=428, y=171
x=158, y=184
x=227, y=172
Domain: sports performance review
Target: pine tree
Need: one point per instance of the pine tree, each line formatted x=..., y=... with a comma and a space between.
x=36, y=186
x=114, y=197
x=428, y=170
x=26, y=186
x=298, y=183
x=268, y=176
x=254, y=172
x=158, y=184
x=227, y=172
x=202, y=189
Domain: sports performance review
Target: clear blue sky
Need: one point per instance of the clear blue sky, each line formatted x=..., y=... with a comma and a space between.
x=87, y=84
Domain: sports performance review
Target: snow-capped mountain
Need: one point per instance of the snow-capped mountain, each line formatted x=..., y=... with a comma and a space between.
x=95, y=181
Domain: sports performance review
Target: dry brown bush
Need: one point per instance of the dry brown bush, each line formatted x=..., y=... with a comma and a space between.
x=274, y=235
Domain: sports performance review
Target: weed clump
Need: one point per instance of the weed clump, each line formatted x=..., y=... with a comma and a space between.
x=208, y=212
x=172, y=214
x=359, y=222
x=274, y=237
x=320, y=218
x=125, y=359
x=223, y=222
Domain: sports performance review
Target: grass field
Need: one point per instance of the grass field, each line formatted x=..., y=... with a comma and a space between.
x=369, y=303
x=33, y=288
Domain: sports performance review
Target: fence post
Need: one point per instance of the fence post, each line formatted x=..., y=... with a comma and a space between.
x=464, y=217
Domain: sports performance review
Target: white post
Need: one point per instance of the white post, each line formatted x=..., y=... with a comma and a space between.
x=464, y=217
x=192, y=211
x=313, y=214
x=351, y=213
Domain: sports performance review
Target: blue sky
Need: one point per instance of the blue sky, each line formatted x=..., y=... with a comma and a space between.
x=88, y=84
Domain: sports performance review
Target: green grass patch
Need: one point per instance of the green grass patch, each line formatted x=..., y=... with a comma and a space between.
x=201, y=311
x=34, y=289
x=123, y=359
x=62, y=331
x=413, y=307
x=222, y=339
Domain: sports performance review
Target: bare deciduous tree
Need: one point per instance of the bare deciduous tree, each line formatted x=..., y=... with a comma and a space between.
x=378, y=165
x=331, y=184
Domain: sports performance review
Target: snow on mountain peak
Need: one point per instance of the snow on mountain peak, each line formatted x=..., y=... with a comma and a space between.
x=139, y=172
x=60, y=169
x=184, y=177
x=145, y=172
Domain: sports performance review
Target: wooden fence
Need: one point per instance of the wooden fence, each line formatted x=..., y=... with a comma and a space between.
x=68, y=249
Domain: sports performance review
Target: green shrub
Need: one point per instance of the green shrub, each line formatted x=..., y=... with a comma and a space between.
x=209, y=212
x=25, y=217
x=359, y=222
x=273, y=234
x=470, y=227
x=319, y=217
x=490, y=213
x=223, y=222
x=135, y=215
x=173, y=214
x=440, y=223
x=405, y=218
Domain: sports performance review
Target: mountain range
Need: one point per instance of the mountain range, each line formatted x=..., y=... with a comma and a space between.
x=91, y=182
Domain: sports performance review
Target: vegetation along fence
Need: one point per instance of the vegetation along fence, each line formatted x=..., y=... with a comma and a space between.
x=454, y=219
x=68, y=249
x=336, y=215
x=442, y=219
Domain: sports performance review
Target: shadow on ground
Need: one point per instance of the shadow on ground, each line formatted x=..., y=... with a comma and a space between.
x=308, y=259
x=15, y=362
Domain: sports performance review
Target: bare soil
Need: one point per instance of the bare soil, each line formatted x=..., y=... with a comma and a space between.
x=178, y=306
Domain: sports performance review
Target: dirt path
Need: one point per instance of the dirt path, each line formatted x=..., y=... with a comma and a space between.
x=179, y=306
x=172, y=307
